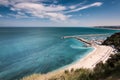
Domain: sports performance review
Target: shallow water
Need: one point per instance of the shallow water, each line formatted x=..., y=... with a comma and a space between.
x=24, y=51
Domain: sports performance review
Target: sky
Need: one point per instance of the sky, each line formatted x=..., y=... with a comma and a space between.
x=59, y=13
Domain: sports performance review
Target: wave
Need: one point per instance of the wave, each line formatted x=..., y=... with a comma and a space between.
x=78, y=47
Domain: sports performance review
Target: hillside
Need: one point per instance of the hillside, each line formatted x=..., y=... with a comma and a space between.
x=113, y=40
x=110, y=70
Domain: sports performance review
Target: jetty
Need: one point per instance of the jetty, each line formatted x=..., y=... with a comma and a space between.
x=80, y=39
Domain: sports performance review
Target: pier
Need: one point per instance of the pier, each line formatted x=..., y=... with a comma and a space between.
x=80, y=39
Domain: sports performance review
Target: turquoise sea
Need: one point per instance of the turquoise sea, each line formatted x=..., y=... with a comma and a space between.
x=24, y=51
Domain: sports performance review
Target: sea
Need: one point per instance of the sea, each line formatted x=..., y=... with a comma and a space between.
x=28, y=50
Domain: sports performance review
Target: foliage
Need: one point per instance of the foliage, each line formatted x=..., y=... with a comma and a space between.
x=113, y=40
x=103, y=71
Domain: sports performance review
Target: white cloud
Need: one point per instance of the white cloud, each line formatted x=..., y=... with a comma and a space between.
x=19, y=15
x=41, y=7
x=78, y=5
x=1, y=15
x=4, y=2
x=55, y=16
x=27, y=6
x=13, y=2
x=96, y=4
x=35, y=8
x=52, y=12
x=72, y=7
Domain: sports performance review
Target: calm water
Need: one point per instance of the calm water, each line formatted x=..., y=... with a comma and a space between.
x=24, y=51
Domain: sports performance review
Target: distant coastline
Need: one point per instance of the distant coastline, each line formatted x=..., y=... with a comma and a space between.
x=108, y=27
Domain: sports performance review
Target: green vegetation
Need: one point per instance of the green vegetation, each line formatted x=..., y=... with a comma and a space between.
x=113, y=40
x=103, y=71
x=108, y=71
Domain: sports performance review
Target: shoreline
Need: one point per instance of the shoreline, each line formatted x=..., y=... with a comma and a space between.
x=99, y=53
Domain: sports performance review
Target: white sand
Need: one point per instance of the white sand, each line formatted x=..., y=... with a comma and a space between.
x=100, y=53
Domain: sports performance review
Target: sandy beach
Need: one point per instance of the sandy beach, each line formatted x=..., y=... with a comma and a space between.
x=100, y=53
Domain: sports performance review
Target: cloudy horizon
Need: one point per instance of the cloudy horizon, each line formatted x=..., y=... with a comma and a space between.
x=59, y=13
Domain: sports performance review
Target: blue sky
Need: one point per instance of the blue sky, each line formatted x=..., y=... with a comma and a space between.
x=37, y=13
